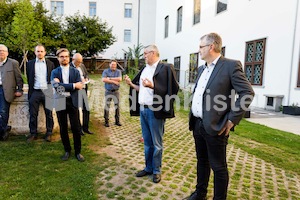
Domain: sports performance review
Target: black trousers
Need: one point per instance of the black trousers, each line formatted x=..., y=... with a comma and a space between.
x=37, y=98
x=62, y=115
x=109, y=96
x=85, y=115
x=211, y=154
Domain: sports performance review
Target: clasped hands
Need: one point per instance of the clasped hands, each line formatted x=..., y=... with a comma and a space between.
x=78, y=85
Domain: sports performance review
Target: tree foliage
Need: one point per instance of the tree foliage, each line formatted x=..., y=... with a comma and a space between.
x=86, y=35
x=52, y=31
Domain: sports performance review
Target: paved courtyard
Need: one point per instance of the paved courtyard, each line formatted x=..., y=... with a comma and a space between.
x=250, y=177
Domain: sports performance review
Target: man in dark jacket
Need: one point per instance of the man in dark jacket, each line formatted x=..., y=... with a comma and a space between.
x=38, y=76
x=151, y=92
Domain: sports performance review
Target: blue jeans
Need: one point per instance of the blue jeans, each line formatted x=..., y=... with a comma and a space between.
x=153, y=131
x=4, y=111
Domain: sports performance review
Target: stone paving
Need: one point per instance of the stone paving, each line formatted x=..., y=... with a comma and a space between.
x=250, y=177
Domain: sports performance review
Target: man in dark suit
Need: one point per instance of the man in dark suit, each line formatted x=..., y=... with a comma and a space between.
x=155, y=85
x=38, y=76
x=11, y=86
x=215, y=111
x=77, y=63
x=67, y=82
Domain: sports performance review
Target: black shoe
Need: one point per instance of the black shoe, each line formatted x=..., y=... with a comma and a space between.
x=30, y=138
x=47, y=138
x=88, y=131
x=79, y=157
x=143, y=173
x=66, y=156
x=81, y=133
x=106, y=124
x=5, y=135
x=8, y=128
x=196, y=196
x=156, y=178
x=118, y=124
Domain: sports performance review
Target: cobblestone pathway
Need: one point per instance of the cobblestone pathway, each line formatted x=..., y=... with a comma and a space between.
x=250, y=177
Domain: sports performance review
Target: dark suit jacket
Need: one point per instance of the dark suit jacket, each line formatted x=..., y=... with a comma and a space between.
x=84, y=71
x=12, y=80
x=74, y=77
x=165, y=85
x=30, y=72
x=227, y=75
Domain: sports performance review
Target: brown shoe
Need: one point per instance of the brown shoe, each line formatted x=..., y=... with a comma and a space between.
x=156, y=178
x=142, y=173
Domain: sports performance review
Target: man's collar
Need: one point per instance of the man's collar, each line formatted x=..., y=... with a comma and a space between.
x=38, y=60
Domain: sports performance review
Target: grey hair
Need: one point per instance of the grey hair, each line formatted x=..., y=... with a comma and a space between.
x=153, y=48
x=2, y=45
x=213, y=38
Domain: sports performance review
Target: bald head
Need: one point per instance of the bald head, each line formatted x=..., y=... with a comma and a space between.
x=77, y=59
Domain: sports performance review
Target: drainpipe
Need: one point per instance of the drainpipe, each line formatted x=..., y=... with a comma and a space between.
x=138, y=32
x=292, y=58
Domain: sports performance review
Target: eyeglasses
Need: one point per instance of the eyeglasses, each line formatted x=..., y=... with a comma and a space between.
x=3, y=51
x=204, y=46
x=146, y=53
x=64, y=56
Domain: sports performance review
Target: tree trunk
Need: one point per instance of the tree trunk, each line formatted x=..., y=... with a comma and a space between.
x=24, y=61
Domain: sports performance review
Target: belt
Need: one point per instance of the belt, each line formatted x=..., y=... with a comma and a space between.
x=198, y=118
x=145, y=106
x=39, y=90
x=112, y=90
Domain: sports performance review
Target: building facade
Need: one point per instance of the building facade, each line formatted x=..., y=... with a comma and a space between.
x=264, y=35
x=129, y=25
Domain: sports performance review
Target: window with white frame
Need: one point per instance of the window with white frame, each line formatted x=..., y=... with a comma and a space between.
x=166, y=26
x=177, y=67
x=127, y=35
x=193, y=71
x=197, y=6
x=179, y=19
x=128, y=10
x=92, y=9
x=57, y=8
x=221, y=5
x=254, y=61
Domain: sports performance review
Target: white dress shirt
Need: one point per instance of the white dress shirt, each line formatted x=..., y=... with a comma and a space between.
x=197, y=103
x=1, y=64
x=146, y=93
x=65, y=71
x=40, y=76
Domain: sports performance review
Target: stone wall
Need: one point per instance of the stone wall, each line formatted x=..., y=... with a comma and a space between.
x=19, y=117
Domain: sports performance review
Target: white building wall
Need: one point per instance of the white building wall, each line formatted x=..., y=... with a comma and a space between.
x=243, y=21
x=112, y=12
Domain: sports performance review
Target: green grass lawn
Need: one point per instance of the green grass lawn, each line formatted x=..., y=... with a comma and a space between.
x=35, y=171
x=280, y=148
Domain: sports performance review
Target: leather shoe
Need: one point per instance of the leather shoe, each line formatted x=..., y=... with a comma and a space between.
x=156, y=178
x=143, y=173
x=118, y=124
x=5, y=135
x=79, y=157
x=88, y=131
x=66, y=156
x=81, y=133
x=47, y=138
x=30, y=138
x=106, y=124
x=197, y=196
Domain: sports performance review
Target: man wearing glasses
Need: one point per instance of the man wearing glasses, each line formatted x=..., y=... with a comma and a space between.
x=67, y=82
x=11, y=86
x=155, y=84
x=214, y=112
